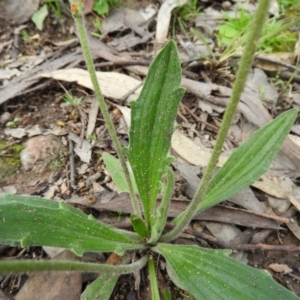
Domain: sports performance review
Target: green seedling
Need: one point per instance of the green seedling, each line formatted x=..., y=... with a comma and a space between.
x=54, y=5
x=97, y=24
x=120, y=213
x=284, y=86
x=276, y=36
x=25, y=36
x=183, y=14
x=102, y=7
x=232, y=38
x=92, y=137
x=203, y=273
x=287, y=5
x=59, y=162
x=74, y=101
x=13, y=123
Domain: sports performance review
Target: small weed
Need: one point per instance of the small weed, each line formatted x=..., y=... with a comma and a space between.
x=184, y=14
x=276, y=36
x=74, y=101
x=9, y=158
x=97, y=24
x=119, y=215
x=92, y=137
x=59, y=162
x=54, y=6
x=102, y=7
x=284, y=86
x=25, y=36
x=262, y=92
x=13, y=123
x=288, y=4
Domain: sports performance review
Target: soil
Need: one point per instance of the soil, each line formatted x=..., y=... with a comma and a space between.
x=43, y=107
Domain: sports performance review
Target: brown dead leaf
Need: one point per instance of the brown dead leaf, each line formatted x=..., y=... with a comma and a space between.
x=163, y=20
x=113, y=84
x=268, y=61
x=280, y=268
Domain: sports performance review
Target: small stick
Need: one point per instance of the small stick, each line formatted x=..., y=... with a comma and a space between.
x=72, y=164
x=124, y=97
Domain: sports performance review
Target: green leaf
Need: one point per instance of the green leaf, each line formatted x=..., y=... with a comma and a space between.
x=248, y=162
x=227, y=33
x=211, y=274
x=25, y=265
x=101, y=288
x=152, y=124
x=33, y=221
x=101, y=7
x=167, y=294
x=113, y=166
x=39, y=17
x=139, y=226
x=153, y=280
x=159, y=220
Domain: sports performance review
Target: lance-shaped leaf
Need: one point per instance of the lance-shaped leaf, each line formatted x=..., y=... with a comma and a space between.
x=139, y=226
x=211, y=274
x=159, y=219
x=152, y=124
x=249, y=161
x=101, y=288
x=113, y=166
x=33, y=221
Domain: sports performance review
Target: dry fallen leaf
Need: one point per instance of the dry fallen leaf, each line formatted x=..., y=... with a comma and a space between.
x=280, y=268
x=163, y=20
x=114, y=85
x=82, y=148
x=268, y=65
x=192, y=153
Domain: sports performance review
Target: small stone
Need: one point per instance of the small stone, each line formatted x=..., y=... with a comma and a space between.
x=40, y=151
x=226, y=5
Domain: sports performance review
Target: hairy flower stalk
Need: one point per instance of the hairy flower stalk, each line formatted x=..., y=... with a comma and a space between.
x=77, y=8
x=245, y=64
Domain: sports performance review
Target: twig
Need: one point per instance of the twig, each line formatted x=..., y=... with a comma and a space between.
x=123, y=63
x=124, y=98
x=264, y=247
x=72, y=164
x=276, y=62
x=258, y=57
x=82, y=131
x=214, y=128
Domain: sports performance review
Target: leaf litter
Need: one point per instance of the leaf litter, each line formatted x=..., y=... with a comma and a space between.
x=266, y=207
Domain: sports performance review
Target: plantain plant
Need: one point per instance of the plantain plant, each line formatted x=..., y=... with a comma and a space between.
x=204, y=273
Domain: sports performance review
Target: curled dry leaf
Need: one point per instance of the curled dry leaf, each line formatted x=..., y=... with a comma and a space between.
x=163, y=20
x=280, y=268
x=113, y=84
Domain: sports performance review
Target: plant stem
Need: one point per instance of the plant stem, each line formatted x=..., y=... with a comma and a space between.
x=21, y=266
x=241, y=77
x=77, y=9
x=153, y=279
